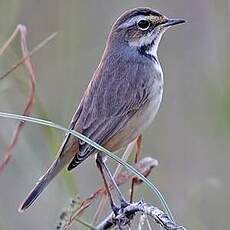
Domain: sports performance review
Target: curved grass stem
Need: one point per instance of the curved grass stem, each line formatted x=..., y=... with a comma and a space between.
x=146, y=181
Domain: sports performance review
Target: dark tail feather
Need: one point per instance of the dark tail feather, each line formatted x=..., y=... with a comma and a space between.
x=54, y=169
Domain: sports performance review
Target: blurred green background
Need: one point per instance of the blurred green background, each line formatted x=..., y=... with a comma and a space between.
x=190, y=136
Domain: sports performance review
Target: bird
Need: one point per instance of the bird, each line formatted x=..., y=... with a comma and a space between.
x=122, y=97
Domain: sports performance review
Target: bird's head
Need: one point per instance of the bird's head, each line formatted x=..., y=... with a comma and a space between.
x=142, y=29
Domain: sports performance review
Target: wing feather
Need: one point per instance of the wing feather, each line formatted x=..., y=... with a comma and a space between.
x=109, y=102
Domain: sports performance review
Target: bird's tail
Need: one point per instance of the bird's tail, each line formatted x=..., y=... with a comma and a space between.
x=54, y=169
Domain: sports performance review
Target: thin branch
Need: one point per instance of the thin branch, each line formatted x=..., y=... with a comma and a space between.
x=126, y=215
x=137, y=157
x=148, y=223
x=21, y=29
x=22, y=60
x=31, y=97
x=144, y=166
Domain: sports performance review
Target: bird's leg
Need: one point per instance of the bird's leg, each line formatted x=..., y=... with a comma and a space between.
x=103, y=166
x=99, y=163
x=137, y=158
x=123, y=201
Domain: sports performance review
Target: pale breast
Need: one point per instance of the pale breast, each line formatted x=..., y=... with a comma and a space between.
x=151, y=108
x=143, y=117
x=148, y=112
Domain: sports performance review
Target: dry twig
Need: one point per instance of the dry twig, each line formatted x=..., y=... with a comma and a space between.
x=30, y=101
x=137, y=158
x=144, y=166
x=22, y=31
x=126, y=215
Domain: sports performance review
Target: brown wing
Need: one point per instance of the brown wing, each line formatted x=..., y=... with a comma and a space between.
x=109, y=102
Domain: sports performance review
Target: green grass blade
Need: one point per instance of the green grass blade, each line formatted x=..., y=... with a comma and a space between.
x=146, y=181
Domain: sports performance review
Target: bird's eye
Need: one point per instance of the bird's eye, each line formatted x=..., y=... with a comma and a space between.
x=143, y=24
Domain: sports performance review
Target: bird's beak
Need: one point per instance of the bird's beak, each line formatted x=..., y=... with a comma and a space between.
x=172, y=22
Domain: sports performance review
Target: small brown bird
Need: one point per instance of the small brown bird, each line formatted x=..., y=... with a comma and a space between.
x=122, y=97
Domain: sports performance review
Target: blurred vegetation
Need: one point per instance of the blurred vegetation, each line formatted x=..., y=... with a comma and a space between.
x=190, y=136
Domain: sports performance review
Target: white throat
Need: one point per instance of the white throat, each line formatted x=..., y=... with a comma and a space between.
x=155, y=44
x=150, y=41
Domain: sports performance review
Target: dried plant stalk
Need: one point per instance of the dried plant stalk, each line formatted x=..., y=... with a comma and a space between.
x=22, y=31
x=30, y=101
x=137, y=158
x=144, y=166
x=126, y=215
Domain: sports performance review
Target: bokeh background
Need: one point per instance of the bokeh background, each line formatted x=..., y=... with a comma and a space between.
x=190, y=136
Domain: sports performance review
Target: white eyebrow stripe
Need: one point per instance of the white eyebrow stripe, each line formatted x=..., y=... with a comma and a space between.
x=132, y=21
